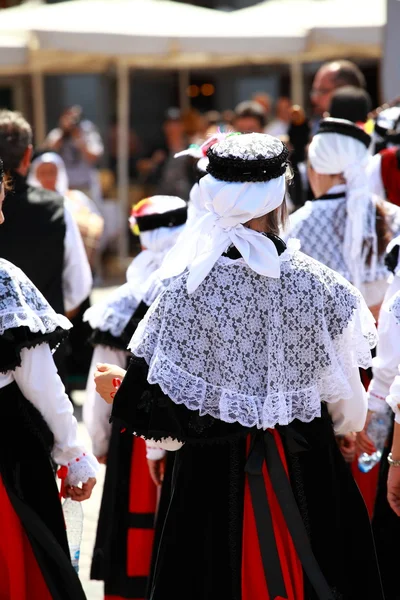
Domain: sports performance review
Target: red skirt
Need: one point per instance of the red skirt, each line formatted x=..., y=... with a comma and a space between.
x=20, y=575
x=254, y=585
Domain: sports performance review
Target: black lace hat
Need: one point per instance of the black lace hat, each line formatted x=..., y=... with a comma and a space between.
x=344, y=127
x=252, y=157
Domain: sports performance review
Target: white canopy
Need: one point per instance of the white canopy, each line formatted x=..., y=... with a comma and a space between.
x=13, y=52
x=331, y=27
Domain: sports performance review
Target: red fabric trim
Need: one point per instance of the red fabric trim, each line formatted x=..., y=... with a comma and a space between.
x=368, y=484
x=143, y=492
x=20, y=575
x=253, y=579
x=140, y=548
x=142, y=500
x=391, y=174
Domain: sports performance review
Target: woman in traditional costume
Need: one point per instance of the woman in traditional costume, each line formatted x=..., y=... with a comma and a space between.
x=126, y=526
x=384, y=388
x=347, y=228
x=246, y=366
x=37, y=426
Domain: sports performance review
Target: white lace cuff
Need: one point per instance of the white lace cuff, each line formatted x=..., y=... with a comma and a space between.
x=81, y=469
x=153, y=453
x=376, y=402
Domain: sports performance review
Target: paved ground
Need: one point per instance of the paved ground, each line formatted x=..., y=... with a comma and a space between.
x=93, y=589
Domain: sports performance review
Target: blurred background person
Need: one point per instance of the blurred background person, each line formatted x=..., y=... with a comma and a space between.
x=384, y=168
x=48, y=171
x=279, y=126
x=350, y=103
x=79, y=144
x=249, y=117
x=40, y=234
x=265, y=101
x=161, y=174
x=330, y=77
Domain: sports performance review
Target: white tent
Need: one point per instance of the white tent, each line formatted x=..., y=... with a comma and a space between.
x=13, y=53
x=332, y=27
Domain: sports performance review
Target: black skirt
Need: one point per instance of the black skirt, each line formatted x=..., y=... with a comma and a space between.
x=200, y=548
x=27, y=474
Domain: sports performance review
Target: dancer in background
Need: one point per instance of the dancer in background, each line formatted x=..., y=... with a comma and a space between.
x=125, y=531
x=347, y=229
x=384, y=388
x=246, y=365
x=48, y=171
x=37, y=425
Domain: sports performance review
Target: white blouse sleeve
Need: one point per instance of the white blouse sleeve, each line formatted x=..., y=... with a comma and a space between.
x=385, y=364
x=375, y=177
x=77, y=276
x=40, y=383
x=350, y=415
x=96, y=411
x=394, y=398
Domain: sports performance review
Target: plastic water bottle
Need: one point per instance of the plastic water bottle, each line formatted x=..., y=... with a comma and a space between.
x=378, y=431
x=73, y=515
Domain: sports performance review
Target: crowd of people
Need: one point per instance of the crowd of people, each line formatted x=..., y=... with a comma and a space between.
x=233, y=378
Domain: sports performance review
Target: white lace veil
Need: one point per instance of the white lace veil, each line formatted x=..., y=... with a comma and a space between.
x=336, y=153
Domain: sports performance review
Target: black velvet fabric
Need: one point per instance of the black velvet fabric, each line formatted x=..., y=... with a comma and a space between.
x=144, y=409
x=27, y=473
x=32, y=237
x=200, y=547
x=15, y=339
x=386, y=528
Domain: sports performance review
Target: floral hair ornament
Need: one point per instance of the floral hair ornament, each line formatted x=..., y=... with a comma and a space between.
x=196, y=151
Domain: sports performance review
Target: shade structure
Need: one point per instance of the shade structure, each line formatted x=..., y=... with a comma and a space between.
x=330, y=27
x=13, y=52
x=147, y=33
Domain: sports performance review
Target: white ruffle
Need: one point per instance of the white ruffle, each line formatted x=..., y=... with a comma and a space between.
x=23, y=305
x=305, y=335
x=81, y=469
x=114, y=314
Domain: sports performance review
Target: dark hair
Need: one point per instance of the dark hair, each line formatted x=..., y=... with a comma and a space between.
x=351, y=103
x=348, y=73
x=250, y=109
x=15, y=138
x=383, y=232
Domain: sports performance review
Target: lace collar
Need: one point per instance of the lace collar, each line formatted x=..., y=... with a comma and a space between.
x=22, y=305
x=257, y=350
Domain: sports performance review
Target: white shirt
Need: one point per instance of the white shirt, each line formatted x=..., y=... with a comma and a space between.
x=39, y=382
x=385, y=385
x=375, y=176
x=96, y=411
x=77, y=276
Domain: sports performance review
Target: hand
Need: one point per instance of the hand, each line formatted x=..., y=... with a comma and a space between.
x=393, y=489
x=79, y=494
x=363, y=441
x=157, y=470
x=102, y=460
x=104, y=377
x=347, y=446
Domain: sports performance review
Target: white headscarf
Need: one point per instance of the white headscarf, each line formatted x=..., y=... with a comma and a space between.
x=156, y=243
x=62, y=184
x=334, y=153
x=227, y=206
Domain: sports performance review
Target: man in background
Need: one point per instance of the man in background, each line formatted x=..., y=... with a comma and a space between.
x=329, y=77
x=39, y=234
x=79, y=144
x=249, y=118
